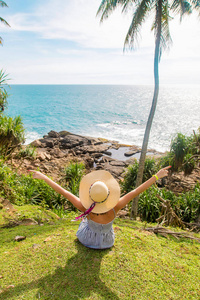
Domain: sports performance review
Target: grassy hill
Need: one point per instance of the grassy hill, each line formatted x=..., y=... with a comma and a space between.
x=51, y=264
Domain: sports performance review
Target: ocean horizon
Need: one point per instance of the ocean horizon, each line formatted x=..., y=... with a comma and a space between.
x=114, y=112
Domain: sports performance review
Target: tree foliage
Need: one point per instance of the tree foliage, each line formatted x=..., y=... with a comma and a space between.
x=3, y=4
x=11, y=134
x=3, y=91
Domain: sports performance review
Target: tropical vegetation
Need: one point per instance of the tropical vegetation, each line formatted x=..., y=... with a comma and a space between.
x=12, y=132
x=184, y=152
x=3, y=91
x=24, y=190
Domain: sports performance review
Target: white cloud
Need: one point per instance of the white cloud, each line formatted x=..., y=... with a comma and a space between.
x=95, y=51
x=76, y=21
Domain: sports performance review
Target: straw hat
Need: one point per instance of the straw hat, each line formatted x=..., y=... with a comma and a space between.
x=101, y=188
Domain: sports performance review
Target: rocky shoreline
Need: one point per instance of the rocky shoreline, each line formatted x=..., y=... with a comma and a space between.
x=57, y=149
x=96, y=153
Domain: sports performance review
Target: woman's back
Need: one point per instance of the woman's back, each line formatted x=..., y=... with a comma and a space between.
x=96, y=235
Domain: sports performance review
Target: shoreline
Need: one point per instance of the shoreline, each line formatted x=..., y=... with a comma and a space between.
x=57, y=149
x=117, y=150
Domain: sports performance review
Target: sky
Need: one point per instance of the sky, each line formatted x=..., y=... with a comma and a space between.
x=63, y=42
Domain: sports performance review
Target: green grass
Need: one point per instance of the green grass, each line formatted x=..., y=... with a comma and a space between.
x=35, y=212
x=51, y=264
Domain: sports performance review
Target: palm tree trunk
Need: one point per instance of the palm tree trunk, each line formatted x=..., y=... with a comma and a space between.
x=134, y=207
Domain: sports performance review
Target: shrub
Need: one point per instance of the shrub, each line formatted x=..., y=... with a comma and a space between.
x=179, y=146
x=189, y=205
x=22, y=189
x=184, y=153
x=28, y=152
x=11, y=134
x=3, y=92
x=73, y=175
x=188, y=164
x=149, y=205
x=185, y=205
x=128, y=184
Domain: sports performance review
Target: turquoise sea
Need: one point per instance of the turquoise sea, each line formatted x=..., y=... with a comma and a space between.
x=116, y=112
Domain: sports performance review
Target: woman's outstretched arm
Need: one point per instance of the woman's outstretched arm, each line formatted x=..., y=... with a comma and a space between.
x=69, y=196
x=129, y=196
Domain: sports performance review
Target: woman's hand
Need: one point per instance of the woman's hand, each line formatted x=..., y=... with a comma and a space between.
x=163, y=172
x=37, y=174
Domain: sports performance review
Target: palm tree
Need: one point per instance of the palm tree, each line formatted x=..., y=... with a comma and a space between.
x=3, y=92
x=141, y=11
x=3, y=4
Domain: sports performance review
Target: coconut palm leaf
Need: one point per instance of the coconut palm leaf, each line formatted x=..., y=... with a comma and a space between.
x=139, y=16
x=3, y=4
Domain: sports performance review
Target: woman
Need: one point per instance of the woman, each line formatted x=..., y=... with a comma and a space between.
x=99, y=201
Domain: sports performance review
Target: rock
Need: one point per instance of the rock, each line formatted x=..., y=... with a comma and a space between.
x=105, y=159
x=97, y=155
x=42, y=156
x=94, y=149
x=48, y=156
x=107, y=153
x=130, y=153
x=116, y=171
x=64, y=133
x=118, y=163
x=47, y=142
x=19, y=238
x=53, y=134
x=56, y=152
x=36, y=143
x=89, y=162
x=71, y=141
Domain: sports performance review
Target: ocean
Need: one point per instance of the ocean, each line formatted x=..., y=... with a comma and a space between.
x=115, y=112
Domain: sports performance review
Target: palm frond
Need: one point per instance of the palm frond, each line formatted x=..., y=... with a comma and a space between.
x=165, y=34
x=3, y=4
x=4, y=21
x=108, y=6
x=3, y=78
x=195, y=4
x=139, y=16
x=182, y=7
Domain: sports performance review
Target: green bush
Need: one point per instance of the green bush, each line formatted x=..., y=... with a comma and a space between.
x=184, y=153
x=189, y=205
x=128, y=184
x=27, y=151
x=23, y=189
x=188, y=164
x=3, y=92
x=149, y=205
x=179, y=147
x=185, y=205
x=73, y=175
x=11, y=134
